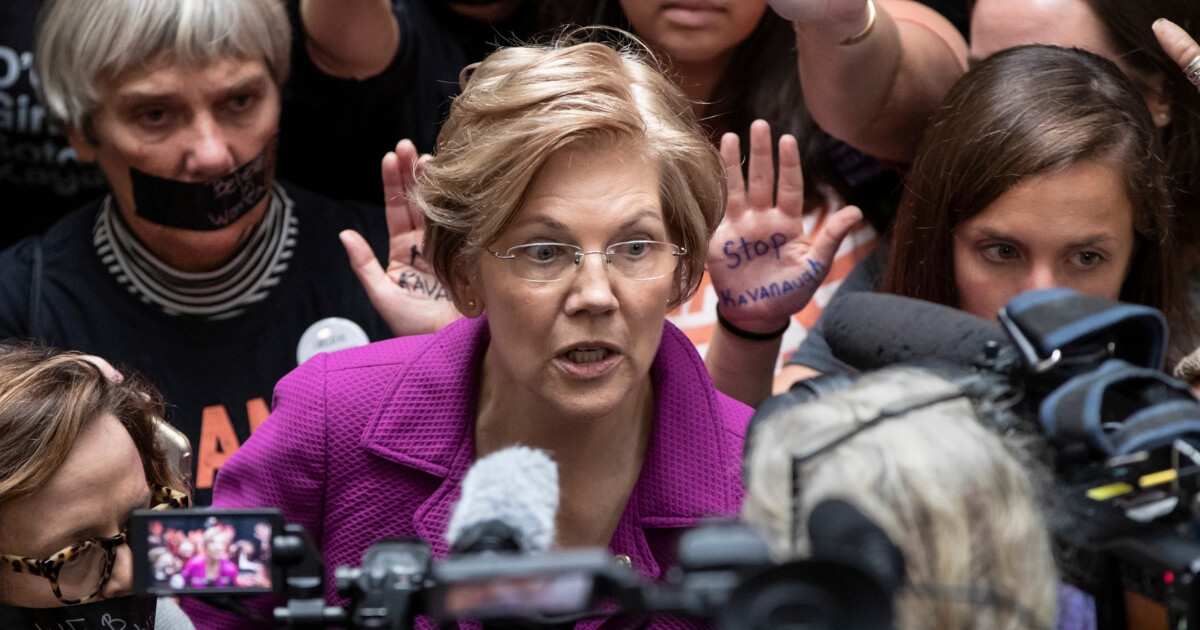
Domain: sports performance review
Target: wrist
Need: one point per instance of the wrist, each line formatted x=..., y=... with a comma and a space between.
x=866, y=26
x=769, y=332
x=844, y=29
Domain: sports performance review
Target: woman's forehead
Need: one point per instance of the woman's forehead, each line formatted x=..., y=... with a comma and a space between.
x=100, y=481
x=593, y=189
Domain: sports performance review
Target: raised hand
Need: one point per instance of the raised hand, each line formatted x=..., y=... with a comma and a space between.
x=763, y=266
x=1180, y=47
x=408, y=296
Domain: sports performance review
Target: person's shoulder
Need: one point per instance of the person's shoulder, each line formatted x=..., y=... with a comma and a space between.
x=27, y=263
x=68, y=233
x=451, y=342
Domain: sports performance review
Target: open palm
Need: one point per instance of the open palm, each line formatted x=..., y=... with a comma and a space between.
x=764, y=267
x=407, y=295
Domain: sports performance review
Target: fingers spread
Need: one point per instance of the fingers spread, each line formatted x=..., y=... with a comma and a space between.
x=399, y=176
x=362, y=260
x=731, y=155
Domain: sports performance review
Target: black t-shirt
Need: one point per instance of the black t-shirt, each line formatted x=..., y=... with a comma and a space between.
x=40, y=179
x=335, y=131
x=216, y=376
x=957, y=11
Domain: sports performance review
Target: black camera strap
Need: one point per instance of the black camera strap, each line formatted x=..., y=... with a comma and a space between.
x=1120, y=409
x=1055, y=328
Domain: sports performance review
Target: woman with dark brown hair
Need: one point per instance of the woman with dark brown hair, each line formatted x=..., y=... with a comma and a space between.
x=1042, y=168
x=1037, y=146
x=78, y=453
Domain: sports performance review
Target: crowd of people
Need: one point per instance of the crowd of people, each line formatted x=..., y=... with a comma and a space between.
x=349, y=248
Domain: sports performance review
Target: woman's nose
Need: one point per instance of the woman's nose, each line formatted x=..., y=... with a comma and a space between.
x=1041, y=277
x=592, y=286
x=209, y=155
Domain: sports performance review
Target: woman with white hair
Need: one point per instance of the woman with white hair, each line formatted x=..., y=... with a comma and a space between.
x=199, y=269
x=905, y=448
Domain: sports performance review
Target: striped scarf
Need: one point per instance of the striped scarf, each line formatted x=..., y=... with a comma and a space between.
x=220, y=294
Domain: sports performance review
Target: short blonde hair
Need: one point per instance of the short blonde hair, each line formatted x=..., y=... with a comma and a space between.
x=523, y=104
x=83, y=42
x=959, y=504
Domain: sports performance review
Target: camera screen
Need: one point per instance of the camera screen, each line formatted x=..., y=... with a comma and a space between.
x=206, y=551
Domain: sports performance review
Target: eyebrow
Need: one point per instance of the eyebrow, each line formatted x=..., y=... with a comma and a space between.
x=135, y=96
x=1086, y=241
x=556, y=225
x=86, y=532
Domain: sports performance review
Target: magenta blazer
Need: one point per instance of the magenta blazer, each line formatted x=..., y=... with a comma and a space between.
x=195, y=574
x=375, y=441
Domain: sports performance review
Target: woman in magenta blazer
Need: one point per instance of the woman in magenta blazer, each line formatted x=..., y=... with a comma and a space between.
x=568, y=208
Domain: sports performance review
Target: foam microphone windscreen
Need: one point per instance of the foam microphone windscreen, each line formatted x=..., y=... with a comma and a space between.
x=873, y=330
x=516, y=486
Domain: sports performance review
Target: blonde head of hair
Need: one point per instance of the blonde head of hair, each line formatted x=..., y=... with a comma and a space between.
x=523, y=104
x=949, y=493
x=48, y=397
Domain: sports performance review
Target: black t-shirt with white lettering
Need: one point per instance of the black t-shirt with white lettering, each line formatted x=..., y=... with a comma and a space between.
x=216, y=376
x=40, y=179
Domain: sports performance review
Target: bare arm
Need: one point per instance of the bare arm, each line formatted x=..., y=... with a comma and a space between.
x=350, y=39
x=741, y=369
x=876, y=94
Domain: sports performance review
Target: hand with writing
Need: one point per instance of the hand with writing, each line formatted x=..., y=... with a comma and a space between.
x=1179, y=46
x=408, y=296
x=763, y=266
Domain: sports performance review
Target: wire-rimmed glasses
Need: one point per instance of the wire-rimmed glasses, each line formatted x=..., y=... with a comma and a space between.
x=79, y=572
x=549, y=262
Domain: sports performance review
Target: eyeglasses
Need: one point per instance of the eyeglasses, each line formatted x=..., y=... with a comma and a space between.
x=78, y=572
x=636, y=260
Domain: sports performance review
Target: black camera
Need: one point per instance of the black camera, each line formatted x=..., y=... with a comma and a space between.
x=724, y=574
x=1121, y=438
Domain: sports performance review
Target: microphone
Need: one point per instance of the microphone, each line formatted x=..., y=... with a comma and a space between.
x=509, y=501
x=872, y=330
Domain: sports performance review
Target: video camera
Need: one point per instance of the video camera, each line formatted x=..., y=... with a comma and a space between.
x=1083, y=375
x=723, y=573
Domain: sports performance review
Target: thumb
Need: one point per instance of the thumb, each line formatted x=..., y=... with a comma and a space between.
x=833, y=232
x=364, y=263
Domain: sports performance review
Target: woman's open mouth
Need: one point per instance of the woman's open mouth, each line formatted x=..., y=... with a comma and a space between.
x=588, y=361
